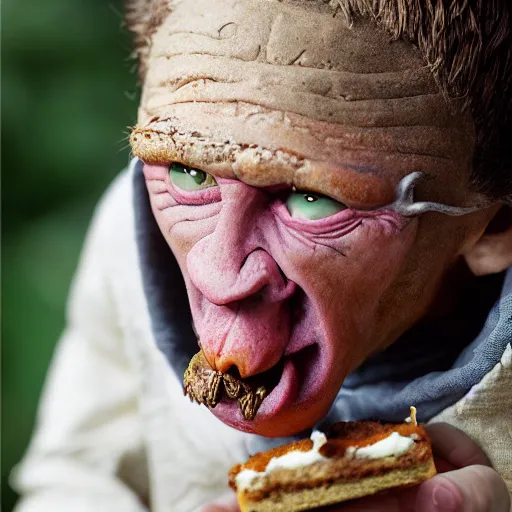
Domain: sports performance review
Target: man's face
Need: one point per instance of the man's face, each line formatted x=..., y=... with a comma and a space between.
x=290, y=132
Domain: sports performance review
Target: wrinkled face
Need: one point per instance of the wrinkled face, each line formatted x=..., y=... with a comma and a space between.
x=274, y=139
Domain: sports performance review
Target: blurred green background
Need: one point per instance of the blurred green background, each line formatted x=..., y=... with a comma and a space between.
x=68, y=95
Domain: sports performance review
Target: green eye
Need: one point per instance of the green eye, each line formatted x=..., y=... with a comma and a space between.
x=190, y=179
x=310, y=206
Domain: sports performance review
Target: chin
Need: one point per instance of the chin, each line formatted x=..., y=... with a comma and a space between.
x=285, y=423
x=289, y=421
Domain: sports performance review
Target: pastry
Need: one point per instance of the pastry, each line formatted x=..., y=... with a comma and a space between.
x=354, y=459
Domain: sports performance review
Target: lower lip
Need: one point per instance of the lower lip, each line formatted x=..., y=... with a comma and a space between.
x=281, y=397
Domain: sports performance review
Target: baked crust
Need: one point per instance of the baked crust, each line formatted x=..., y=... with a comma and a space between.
x=342, y=476
x=337, y=492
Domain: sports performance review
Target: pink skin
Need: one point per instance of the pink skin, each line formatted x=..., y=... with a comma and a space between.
x=272, y=286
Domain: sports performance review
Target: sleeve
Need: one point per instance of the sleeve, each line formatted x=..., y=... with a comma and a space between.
x=87, y=452
x=485, y=415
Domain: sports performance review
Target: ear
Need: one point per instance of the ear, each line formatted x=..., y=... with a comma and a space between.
x=492, y=253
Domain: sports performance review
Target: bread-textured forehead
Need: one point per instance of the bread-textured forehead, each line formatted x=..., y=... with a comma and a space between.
x=277, y=33
x=285, y=59
x=144, y=17
x=449, y=35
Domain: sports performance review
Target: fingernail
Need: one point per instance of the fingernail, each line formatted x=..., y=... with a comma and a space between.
x=444, y=499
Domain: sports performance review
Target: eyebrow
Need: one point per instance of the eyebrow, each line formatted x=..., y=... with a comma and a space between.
x=163, y=141
x=180, y=146
x=353, y=183
x=154, y=145
x=180, y=140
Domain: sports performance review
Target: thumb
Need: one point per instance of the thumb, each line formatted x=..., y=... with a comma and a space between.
x=470, y=489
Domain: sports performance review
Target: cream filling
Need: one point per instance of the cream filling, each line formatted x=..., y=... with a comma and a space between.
x=290, y=460
x=392, y=446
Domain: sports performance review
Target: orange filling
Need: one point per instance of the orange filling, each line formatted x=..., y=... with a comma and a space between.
x=335, y=447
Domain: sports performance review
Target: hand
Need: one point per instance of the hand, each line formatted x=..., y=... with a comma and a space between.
x=467, y=483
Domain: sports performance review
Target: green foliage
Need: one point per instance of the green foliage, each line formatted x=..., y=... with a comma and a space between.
x=69, y=94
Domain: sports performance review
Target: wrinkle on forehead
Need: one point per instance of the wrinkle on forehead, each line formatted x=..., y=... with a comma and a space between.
x=178, y=71
x=270, y=31
x=290, y=59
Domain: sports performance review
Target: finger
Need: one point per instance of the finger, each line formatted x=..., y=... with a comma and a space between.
x=225, y=503
x=470, y=489
x=454, y=446
x=443, y=466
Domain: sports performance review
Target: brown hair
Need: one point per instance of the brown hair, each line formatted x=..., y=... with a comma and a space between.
x=467, y=45
x=143, y=17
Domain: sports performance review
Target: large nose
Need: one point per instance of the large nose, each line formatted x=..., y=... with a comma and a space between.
x=248, y=322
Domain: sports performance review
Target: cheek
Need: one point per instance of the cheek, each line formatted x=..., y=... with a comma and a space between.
x=354, y=266
x=346, y=286
x=377, y=254
x=425, y=283
x=182, y=225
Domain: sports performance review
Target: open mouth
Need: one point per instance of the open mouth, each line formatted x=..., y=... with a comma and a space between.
x=289, y=381
x=295, y=382
x=269, y=379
